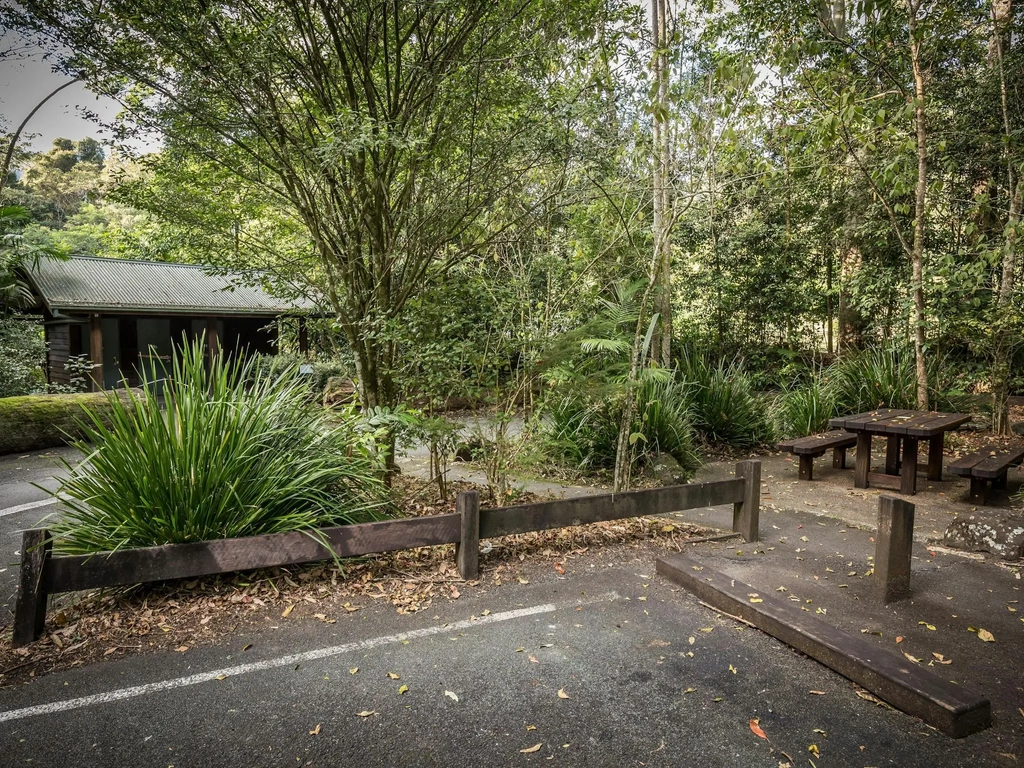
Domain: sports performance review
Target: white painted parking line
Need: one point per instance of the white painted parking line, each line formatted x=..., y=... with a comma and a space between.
x=28, y=506
x=283, y=661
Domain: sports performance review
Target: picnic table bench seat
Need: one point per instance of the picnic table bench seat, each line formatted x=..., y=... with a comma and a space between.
x=809, y=448
x=990, y=464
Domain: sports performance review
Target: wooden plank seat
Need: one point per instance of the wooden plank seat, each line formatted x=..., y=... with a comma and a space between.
x=809, y=448
x=989, y=465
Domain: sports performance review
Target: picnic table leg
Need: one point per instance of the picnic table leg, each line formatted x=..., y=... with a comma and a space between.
x=978, y=491
x=935, y=445
x=860, y=473
x=892, y=455
x=999, y=482
x=908, y=475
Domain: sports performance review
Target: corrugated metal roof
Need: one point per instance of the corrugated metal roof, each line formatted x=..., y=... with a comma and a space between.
x=98, y=284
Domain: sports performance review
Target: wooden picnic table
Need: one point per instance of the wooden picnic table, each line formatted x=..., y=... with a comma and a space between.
x=903, y=429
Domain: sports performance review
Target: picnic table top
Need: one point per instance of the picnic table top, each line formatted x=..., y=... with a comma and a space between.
x=898, y=421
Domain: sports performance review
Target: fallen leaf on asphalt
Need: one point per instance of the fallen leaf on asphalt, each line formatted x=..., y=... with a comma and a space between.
x=559, y=569
x=531, y=727
x=520, y=649
x=181, y=648
x=455, y=593
x=813, y=749
x=247, y=646
x=403, y=689
x=817, y=693
x=534, y=748
x=521, y=580
x=707, y=629
x=871, y=632
x=394, y=676
x=985, y=635
x=534, y=660
x=690, y=690
x=757, y=729
x=732, y=669
x=287, y=611
x=926, y=625
x=912, y=658
x=221, y=677
x=692, y=640
x=351, y=608
x=899, y=638
x=315, y=731
x=451, y=695
x=366, y=713
x=486, y=612
x=353, y=670
x=562, y=694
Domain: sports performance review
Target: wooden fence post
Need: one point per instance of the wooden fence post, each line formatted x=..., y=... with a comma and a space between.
x=30, y=608
x=893, y=544
x=745, y=513
x=467, y=549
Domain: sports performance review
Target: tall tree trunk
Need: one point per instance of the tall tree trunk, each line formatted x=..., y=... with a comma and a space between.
x=662, y=219
x=920, y=202
x=1005, y=332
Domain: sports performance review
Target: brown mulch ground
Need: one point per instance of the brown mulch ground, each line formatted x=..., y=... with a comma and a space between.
x=91, y=626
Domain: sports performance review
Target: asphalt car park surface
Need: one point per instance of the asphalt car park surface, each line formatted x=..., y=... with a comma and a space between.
x=480, y=671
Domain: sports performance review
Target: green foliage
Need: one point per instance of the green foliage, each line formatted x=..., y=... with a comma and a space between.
x=804, y=409
x=582, y=432
x=225, y=458
x=287, y=365
x=863, y=381
x=22, y=354
x=885, y=378
x=723, y=406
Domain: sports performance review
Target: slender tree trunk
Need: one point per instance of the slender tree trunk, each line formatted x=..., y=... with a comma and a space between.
x=662, y=219
x=920, y=205
x=1005, y=336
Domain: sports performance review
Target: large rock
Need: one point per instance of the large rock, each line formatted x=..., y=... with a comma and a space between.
x=667, y=471
x=1001, y=533
x=34, y=422
x=339, y=391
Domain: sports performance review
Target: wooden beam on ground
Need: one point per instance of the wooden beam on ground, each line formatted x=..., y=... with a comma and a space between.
x=952, y=709
x=30, y=610
x=893, y=544
x=545, y=515
x=467, y=548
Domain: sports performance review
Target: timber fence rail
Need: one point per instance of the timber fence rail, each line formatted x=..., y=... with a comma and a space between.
x=42, y=573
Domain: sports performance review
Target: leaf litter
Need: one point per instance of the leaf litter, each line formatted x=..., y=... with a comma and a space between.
x=167, y=616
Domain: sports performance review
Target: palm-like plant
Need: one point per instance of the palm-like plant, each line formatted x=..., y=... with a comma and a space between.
x=230, y=454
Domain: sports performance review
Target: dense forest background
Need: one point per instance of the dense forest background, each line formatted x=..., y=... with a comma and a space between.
x=649, y=226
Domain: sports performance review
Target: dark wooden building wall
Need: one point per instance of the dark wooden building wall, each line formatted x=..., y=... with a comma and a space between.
x=58, y=339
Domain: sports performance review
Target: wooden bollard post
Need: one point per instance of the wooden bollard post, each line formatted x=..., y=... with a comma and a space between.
x=30, y=608
x=745, y=513
x=467, y=550
x=893, y=544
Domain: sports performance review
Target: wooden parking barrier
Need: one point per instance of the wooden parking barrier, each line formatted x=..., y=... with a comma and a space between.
x=43, y=574
x=893, y=544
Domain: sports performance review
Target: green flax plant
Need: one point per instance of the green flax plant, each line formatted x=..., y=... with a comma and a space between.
x=221, y=452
